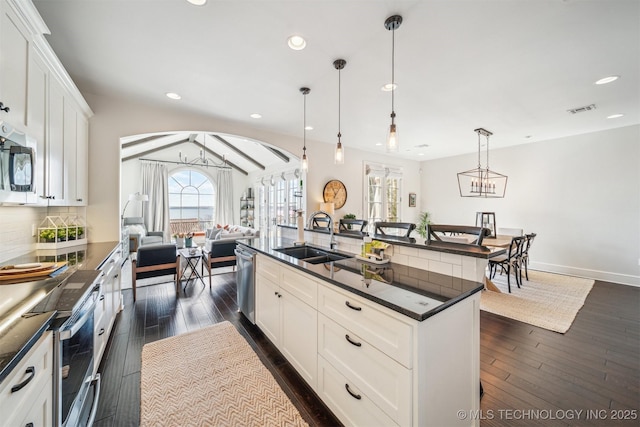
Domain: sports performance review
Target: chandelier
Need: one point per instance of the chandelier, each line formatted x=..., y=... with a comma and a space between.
x=482, y=182
x=202, y=159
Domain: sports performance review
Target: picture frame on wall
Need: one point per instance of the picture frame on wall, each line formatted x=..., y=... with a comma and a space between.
x=412, y=200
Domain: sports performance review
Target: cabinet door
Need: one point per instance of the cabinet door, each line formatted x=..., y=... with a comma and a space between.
x=268, y=308
x=36, y=114
x=14, y=60
x=70, y=129
x=40, y=414
x=82, y=160
x=299, y=336
x=55, y=145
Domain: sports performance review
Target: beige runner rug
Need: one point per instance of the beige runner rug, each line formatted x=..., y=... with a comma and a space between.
x=210, y=377
x=547, y=300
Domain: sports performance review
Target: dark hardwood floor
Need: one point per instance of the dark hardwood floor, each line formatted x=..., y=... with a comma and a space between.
x=531, y=376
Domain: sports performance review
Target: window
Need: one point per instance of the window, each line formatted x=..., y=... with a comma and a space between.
x=382, y=197
x=191, y=201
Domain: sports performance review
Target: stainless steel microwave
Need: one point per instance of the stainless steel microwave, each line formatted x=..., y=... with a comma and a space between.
x=17, y=165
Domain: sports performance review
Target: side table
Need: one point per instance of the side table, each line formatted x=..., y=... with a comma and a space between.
x=192, y=256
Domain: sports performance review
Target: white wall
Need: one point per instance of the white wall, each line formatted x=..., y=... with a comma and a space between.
x=581, y=194
x=115, y=118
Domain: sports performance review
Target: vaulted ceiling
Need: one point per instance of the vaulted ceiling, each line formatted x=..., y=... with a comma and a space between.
x=514, y=67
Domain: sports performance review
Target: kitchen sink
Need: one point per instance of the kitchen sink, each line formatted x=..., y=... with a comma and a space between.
x=312, y=255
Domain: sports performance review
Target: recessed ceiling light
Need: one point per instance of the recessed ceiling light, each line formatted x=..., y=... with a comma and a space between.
x=389, y=87
x=420, y=154
x=378, y=143
x=197, y=2
x=308, y=127
x=256, y=116
x=606, y=80
x=614, y=116
x=296, y=42
x=173, y=95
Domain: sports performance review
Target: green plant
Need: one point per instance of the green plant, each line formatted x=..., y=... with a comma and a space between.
x=48, y=234
x=424, y=219
x=349, y=216
x=62, y=233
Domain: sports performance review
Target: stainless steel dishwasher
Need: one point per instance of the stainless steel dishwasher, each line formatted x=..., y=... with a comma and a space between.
x=245, y=280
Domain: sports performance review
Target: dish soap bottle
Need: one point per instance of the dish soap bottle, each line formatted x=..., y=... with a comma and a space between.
x=366, y=246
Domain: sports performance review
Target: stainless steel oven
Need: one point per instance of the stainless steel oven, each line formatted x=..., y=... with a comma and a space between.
x=76, y=390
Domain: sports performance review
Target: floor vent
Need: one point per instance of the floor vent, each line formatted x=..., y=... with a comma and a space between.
x=582, y=109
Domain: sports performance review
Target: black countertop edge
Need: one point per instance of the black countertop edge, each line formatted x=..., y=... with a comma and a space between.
x=304, y=267
x=447, y=247
x=27, y=331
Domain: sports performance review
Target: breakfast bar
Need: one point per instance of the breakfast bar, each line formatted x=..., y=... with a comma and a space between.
x=372, y=340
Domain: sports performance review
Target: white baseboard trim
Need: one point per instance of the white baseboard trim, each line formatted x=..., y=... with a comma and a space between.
x=606, y=276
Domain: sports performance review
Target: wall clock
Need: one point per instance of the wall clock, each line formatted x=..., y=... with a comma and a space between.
x=336, y=192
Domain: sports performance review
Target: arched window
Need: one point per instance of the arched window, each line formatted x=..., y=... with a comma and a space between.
x=192, y=198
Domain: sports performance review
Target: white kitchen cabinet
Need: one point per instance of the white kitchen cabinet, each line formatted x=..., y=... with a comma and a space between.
x=35, y=373
x=346, y=401
x=286, y=318
x=383, y=380
x=82, y=160
x=45, y=104
x=54, y=160
x=108, y=304
x=37, y=113
x=374, y=365
x=14, y=62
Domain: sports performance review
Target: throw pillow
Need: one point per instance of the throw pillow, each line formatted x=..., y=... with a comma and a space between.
x=215, y=234
x=137, y=229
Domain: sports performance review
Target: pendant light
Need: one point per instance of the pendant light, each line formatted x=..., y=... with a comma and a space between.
x=482, y=182
x=392, y=23
x=338, y=158
x=305, y=162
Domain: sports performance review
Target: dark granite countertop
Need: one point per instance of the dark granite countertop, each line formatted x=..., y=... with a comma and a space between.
x=447, y=247
x=416, y=293
x=19, y=329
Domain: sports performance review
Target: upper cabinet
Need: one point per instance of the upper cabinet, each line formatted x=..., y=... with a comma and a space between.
x=14, y=61
x=44, y=103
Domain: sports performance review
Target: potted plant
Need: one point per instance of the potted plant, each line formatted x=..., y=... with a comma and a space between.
x=424, y=219
x=349, y=216
x=62, y=234
x=48, y=235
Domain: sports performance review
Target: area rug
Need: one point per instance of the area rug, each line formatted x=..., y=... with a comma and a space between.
x=210, y=377
x=547, y=300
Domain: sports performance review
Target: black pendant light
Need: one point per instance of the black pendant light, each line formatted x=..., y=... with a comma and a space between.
x=392, y=23
x=305, y=162
x=338, y=158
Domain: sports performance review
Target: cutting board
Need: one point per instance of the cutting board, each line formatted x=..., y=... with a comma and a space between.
x=44, y=269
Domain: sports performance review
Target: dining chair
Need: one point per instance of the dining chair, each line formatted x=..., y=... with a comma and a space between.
x=524, y=255
x=508, y=263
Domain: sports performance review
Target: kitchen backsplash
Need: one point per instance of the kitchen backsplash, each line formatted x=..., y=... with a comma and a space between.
x=17, y=223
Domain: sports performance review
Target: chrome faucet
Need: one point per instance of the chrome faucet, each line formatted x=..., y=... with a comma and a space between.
x=313, y=215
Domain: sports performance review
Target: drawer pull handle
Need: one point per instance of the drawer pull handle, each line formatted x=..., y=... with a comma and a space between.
x=31, y=370
x=353, y=307
x=357, y=396
x=101, y=331
x=28, y=425
x=357, y=344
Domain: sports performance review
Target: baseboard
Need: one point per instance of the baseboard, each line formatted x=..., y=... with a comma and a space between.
x=606, y=276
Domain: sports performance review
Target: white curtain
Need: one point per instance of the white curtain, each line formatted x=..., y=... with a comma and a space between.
x=155, y=183
x=224, y=197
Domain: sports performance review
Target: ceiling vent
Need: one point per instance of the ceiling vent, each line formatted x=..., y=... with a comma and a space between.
x=582, y=109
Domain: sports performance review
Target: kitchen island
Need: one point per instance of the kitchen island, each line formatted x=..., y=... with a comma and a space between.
x=380, y=344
